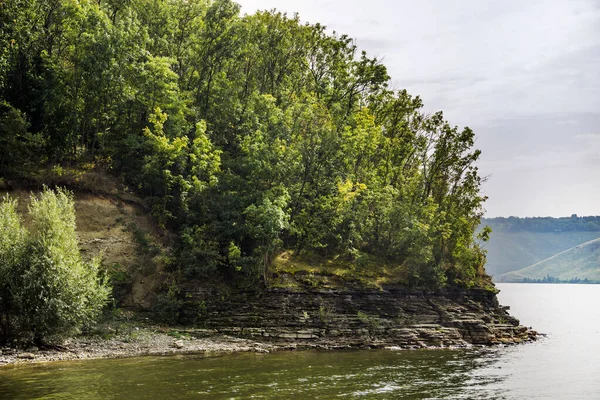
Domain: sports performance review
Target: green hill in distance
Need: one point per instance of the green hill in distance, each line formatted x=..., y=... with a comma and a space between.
x=579, y=263
x=517, y=243
x=512, y=251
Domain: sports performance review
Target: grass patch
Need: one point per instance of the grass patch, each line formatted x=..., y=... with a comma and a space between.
x=179, y=335
x=311, y=271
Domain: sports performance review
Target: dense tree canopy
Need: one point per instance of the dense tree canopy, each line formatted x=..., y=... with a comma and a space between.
x=245, y=133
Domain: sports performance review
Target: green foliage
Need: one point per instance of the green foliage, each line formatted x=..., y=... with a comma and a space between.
x=325, y=312
x=167, y=308
x=12, y=252
x=172, y=307
x=47, y=290
x=265, y=223
x=367, y=319
x=19, y=149
x=175, y=169
x=246, y=134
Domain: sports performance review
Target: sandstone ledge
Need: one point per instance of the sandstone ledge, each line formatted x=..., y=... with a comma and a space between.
x=396, y=317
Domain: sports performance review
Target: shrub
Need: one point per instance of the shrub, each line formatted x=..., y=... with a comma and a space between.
x=47, y=289
x=12, y=251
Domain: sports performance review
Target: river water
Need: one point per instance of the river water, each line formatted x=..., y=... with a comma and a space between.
x=564, y=365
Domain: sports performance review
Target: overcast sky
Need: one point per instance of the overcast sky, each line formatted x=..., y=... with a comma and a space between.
x=525, y=75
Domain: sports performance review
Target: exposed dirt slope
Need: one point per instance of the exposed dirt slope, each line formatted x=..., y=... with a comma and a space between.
x=112, y=224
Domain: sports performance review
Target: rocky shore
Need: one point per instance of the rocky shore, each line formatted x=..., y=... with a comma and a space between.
x=143, y=342
x=281, y=319
x=396, y=317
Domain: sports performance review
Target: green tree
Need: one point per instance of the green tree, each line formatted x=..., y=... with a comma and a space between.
x=19, y=149
x=265, y=223
x=51, y=290
x=228, y=124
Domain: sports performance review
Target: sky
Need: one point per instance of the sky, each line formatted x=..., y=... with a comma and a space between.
x=524, y=75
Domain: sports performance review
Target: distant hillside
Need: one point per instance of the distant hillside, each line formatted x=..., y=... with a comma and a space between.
x=544, y=224
x=517, y=243
x=580, y=262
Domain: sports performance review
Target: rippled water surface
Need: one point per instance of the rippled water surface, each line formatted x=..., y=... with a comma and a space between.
x=565, y=365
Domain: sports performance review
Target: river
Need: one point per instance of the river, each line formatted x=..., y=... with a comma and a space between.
x=563, y=365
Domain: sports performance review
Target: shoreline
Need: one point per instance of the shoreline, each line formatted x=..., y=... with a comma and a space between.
x=142, y=342
x=281, y=319
x=156, y=343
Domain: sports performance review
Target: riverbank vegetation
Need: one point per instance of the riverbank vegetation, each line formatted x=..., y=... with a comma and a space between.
x=246, y=135
x=46, y=289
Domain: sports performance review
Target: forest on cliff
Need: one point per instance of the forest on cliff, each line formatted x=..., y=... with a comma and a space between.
x=246, y=135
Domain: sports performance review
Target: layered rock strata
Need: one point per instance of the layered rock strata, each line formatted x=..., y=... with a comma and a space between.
x=345, y=319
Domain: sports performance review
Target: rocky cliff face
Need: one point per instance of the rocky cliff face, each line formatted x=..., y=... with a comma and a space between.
x=341, y=319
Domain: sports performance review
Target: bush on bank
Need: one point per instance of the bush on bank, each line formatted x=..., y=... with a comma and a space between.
x=46, y=289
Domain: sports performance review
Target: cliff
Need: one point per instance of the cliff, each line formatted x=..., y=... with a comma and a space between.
x=396, y=317
x=309, y=305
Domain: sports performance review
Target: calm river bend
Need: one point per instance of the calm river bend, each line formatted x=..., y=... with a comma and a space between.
x=564, y=365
